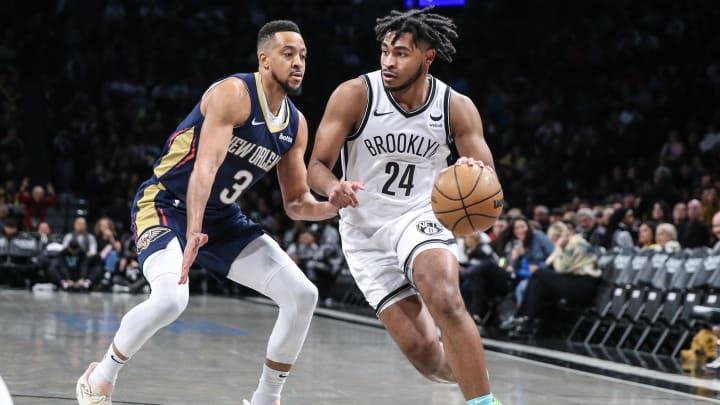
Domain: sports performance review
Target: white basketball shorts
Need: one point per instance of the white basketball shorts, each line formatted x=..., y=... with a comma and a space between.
x=381, y=259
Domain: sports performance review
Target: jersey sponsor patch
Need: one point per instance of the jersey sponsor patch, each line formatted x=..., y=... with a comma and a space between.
x=285, y=138
x=429, y=227
x=435, y=119
x=149, y=236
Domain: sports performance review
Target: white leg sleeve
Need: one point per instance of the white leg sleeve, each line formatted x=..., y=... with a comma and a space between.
x=266, y=268
x=166, y=302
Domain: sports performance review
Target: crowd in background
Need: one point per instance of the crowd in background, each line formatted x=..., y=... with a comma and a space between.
x=601, y=120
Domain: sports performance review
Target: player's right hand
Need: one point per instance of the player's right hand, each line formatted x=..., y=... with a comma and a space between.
x=195, y=240
x=466, y=160
x=343, y=194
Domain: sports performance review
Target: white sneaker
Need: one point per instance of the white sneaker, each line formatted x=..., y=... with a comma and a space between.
x=85, y=395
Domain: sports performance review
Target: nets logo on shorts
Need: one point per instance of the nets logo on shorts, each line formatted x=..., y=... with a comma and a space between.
x=429, y=227
x=150, y=236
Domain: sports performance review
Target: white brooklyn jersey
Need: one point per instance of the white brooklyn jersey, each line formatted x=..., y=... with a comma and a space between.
x=396, y=154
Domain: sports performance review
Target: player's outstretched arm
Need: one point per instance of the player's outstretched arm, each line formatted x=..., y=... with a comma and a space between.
x=466, y=126
x=292, y=175
x=225, y=106
x=343, y=115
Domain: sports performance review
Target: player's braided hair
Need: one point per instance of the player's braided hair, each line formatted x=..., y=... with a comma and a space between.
x=437, y=30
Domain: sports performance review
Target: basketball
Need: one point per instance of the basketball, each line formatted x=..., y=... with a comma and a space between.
x=467, y=199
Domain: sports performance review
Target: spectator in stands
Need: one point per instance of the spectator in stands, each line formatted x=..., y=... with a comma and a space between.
x=660, y=212
x=525, y=251
x=646, y=236
x=716, y=231
x=35, y=204
x=327, y=260
x=482, y=280
x=604, y=220
x=666, y=238
x=128, y=277
x=292, y=233
x=497, y=229
x=710, y=204
x=80, y=233
x=541, y=215
x=695, y=233
x=571, y=227
x=572, y=275
x=70, y=270
x=303, y=249
x=556, y=215
x=679, y=216
x=49, y=246
x=43, y=234
x=618, y=232
x=109, y=248
x=569, y=216
x=589, y=228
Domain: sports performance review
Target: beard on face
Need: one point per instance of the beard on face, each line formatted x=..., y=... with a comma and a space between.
x=285, y=85
x=408, y=82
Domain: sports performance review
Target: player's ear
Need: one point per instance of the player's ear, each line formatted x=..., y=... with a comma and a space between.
x=263, y=61
x=429, y=56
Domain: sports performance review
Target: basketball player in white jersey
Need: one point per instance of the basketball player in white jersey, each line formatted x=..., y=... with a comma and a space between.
x=395, y=128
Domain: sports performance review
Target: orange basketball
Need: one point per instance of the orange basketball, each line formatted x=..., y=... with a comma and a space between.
x=467, y=199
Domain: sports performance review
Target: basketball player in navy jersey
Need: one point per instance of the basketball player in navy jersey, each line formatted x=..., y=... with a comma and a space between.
x=187, y=212
x=394, y=144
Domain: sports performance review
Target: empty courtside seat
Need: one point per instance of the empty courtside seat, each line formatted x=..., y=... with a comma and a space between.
x=18, y=258
x=662, y=280
x=656, y=262
x=631, y=272
x=710, y=267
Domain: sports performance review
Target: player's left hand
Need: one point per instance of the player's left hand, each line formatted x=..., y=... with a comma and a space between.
x=194, y=242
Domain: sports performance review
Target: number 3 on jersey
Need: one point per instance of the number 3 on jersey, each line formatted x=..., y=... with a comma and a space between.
x=406, y=180
x=243, y=179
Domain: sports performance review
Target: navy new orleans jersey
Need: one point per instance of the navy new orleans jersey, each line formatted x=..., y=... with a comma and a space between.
x=159, y=208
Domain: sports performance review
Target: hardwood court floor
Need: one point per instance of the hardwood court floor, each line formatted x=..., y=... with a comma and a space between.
x=213, y=355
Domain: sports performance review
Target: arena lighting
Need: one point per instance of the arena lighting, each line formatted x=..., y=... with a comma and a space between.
x=436, y=3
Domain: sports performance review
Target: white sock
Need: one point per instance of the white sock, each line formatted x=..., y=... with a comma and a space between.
x=269, y=387
x=108, y=368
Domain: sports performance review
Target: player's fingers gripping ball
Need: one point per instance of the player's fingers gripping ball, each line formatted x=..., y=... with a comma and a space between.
x=467, y=198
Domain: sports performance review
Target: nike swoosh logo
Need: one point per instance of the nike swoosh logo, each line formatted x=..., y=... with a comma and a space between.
x=438, y=118
x=257, y=123
x=283, y=375
x=377, y=114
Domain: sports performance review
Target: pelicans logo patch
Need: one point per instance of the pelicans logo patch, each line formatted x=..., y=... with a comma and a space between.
x=149, y=236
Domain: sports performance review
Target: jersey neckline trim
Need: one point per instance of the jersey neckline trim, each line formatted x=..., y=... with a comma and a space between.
x=266, y=114
x=418, y=110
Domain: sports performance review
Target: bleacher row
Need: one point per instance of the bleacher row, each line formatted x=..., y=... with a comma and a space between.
x=645, y=300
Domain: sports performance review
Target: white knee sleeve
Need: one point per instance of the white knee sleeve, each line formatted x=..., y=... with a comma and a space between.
x=296, y=296
x=266, y=268
x=166, y=302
